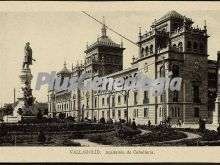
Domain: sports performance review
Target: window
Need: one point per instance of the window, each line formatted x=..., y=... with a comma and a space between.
x=160, y=112
x=74, y=104
x=196, y=111
x=142, y=51
x=180, y=46
x=151, y=49
x=146, y=51
x=175, y=96
x=113, y=113
x=146, y=100
x=103, y=114
x=195, y=46
x=135, y=98
x=145, y=95
x=125, y=113
x=145, y=112
x=189, y=45
x=119, y=114
x=107, y=100
x=196, y=97
x=201, y=47
x=135, y=113
x=161, y=71
x=87, y=103
x=103, y=101
x=96, y=102
x=175, y=70
x=161, y=98
x=119, y=100
x=174, y=45
x=113, y=101
x=125, y=99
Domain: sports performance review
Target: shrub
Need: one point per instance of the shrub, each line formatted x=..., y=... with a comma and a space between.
x=41, y=137
x=125, y=131
x=102, y=120
x=210, y=135
x=68, y=142
x=101, y=138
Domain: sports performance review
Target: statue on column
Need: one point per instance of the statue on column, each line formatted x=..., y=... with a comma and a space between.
x=27, y=56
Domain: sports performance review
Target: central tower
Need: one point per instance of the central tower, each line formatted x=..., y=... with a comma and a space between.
x=104, y=56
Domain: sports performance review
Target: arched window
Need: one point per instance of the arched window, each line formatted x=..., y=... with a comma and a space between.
x=146, y=51
x=151, y=49
x=161, y=71
x=189, y=45
x=180, y=46
x=174, y=45
x=195, y=46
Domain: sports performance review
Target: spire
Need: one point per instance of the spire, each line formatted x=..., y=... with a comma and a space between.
x=205, y=27
x=64, y=63
x=139, y=31
x=121, y=43
x=103, y=28
x=140, y=45
x=87, y=45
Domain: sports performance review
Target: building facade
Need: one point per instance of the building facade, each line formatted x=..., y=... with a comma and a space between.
x=172, y=44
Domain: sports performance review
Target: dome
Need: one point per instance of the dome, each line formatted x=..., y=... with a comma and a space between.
x=172, y=14
x=64, y=70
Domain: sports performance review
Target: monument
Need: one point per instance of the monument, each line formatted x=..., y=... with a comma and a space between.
x=25, y=106
x=217, y=102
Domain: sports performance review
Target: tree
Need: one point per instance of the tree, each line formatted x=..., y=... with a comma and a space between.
x=8, y=109
x=62, y=116
x=41, y=137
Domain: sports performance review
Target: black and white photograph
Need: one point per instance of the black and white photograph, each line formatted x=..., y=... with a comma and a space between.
x=110, y=74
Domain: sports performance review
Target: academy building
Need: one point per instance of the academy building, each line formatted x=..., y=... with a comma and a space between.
x=172, y=43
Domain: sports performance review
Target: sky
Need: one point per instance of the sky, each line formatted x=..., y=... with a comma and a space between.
x=59, y=31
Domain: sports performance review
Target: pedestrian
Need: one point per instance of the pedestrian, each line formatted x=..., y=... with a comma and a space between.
x=133, y=125
x=149, y=123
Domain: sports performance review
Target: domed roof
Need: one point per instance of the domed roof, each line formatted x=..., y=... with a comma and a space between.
x=103, y=40
x=172, y=14
x=64, y=70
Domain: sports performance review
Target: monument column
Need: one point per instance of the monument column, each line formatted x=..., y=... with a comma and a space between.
x=217, y=102
x=25, y=97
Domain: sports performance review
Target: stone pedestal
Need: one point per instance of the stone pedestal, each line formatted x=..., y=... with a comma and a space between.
x=216, y=112
x=25, y=78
